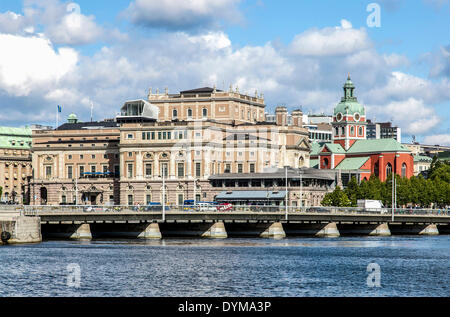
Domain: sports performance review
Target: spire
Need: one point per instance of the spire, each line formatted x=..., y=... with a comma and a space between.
x=349, y=90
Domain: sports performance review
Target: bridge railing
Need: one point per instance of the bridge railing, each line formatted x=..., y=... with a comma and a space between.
x=36, y=210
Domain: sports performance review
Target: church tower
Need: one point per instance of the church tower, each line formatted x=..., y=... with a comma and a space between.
x=349, y=119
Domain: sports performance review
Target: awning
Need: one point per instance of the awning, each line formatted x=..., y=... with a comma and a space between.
x=252, y=195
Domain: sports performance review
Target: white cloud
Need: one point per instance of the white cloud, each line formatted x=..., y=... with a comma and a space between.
x=411, y=114
x=12, y=23
x=341, y=40
x=61, y=22
x=29, y=63
x=75, y=29
x=304, y=77
x=441, y=63
x=438, y=139
x=182, y=14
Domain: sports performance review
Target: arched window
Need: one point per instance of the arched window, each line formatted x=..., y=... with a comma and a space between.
x=189, y=113
x=174, y=114
x=404, y=170
x=325, y=163
x=377, y=169
x=361, y=132
x=205, y=113
x=301, y=162
x=388, y=169
x=343, y=131
x=337, y=131
x=352, y=130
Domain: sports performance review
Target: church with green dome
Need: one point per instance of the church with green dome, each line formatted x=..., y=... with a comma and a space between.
x=351, y=150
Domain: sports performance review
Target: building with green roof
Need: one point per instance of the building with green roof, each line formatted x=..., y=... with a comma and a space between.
x=351, y=150
x=15, y=163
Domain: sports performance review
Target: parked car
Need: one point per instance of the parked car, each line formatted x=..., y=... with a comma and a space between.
x=224, y=207
x=156, y=208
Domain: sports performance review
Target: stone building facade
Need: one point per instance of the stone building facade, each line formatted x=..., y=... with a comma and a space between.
x=180, y=140
x=15, y=164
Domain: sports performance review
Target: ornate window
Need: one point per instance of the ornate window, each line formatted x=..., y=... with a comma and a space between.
x=174, y=114
x=205, y=113
x=388, y=169
x=404, y=167
x=189, y=113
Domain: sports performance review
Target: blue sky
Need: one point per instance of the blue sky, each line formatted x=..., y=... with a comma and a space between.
x=297, y=53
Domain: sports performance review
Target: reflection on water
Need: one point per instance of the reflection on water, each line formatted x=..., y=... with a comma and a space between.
x=410, y=266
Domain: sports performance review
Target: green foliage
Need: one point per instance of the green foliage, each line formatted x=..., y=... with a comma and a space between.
x=338, y=198
x=434, y=191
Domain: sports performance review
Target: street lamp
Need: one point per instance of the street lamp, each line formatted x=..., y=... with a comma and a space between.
x=286, y=203
x=164, y=193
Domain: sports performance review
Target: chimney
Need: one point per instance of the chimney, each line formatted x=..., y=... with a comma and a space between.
x=297, y=118
x=281, y=116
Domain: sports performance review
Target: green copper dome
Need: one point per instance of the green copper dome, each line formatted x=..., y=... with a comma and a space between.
x=72, y=118
x=349, y=103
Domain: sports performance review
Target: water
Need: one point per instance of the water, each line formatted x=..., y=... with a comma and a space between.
x=410, y=266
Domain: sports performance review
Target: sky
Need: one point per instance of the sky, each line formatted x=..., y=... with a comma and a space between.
x=297, y=53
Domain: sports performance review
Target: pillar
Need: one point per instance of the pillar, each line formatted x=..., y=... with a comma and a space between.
x=83, y=232
x=430, y=230
x=151, y=232
x=274, y=231
x=216, y=231
x=381, y=231
x=329, y=231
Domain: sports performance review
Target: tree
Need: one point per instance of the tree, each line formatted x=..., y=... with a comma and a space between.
x=338, y=198
x=352, y=191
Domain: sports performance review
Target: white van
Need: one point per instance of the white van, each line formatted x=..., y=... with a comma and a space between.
x=206, y=207
x=372, y=205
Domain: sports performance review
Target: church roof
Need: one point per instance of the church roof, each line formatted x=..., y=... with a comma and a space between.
x=350, y=107
x=314, y=163
x=352, y=163
x=334, y=148
x=316, y=147
x=376, y=146
x=349, y=103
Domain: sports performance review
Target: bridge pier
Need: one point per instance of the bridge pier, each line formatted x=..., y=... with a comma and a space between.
x=274, y=231
x=430, y=230
x=329, y=231
x=216, y=231
x=151, y=232
x=381, y=231
x=82, y=232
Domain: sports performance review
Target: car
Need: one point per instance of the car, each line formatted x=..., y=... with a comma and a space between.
x=206, y=207
x=224, y=207
x=156, y=208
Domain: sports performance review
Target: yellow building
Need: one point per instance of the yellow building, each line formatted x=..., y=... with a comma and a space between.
x=15, y=164
x=179, y=139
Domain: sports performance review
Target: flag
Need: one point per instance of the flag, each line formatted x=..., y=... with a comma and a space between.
x=59, y=109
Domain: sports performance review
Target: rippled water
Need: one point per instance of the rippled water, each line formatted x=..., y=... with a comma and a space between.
x=410, y=266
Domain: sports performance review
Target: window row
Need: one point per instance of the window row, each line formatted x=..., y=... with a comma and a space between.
x=165, y=135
